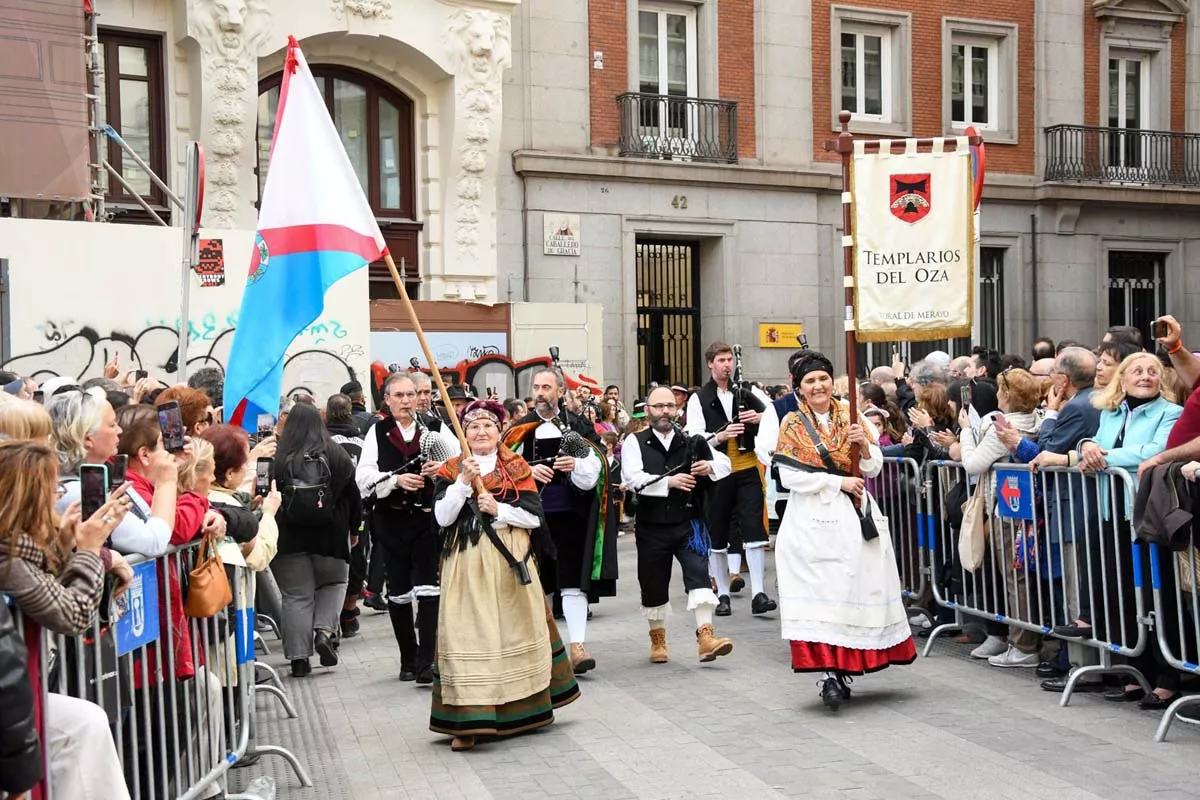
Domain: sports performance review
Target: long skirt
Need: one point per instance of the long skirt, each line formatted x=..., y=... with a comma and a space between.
x=840, y=599
x=501, y=665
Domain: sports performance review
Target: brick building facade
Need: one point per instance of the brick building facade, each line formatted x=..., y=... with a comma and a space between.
x=691, y=233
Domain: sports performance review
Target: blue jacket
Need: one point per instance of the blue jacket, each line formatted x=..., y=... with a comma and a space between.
x=784, y=406
x=1146, y=429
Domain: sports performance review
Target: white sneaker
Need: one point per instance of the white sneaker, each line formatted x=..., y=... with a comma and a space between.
x=992, y=646
x=1014, y=658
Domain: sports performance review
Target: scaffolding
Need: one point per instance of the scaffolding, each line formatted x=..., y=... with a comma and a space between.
x=101, y=133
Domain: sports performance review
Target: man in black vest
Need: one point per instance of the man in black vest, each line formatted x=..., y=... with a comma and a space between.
x=668, y=470
x=391, y=474
x=743, y=496
x=572, y=489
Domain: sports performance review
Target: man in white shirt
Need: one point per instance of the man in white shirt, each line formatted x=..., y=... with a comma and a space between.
x=668, y=470
x=743, y=496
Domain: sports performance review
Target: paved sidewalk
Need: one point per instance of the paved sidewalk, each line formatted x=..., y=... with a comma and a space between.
x=743, y=727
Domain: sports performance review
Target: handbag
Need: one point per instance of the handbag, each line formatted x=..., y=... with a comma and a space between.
x=208, y=585
x=866, y=520
x=973, y=535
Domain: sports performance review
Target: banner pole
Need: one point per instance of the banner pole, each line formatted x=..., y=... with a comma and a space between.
x=433, y=367
x=845, y=146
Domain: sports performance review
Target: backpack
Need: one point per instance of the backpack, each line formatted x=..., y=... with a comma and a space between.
x=307, y=499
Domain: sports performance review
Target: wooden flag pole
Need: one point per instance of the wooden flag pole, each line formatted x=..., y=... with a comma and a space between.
x=433, y=367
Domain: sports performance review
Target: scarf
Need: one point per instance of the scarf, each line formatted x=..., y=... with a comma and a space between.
x=797, y=445
x=510, y=482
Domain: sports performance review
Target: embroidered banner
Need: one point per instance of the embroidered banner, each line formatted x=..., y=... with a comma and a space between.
x=914, y=251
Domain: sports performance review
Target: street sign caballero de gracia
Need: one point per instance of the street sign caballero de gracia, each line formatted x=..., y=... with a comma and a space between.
x=914, y=252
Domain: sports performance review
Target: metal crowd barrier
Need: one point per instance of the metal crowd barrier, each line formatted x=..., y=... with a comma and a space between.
x=177, y=731
x=897, y=490
x=1176, y=581
x=1049, y=553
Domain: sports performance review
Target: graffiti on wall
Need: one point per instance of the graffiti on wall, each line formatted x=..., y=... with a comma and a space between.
x=509, y=378
x=318, y=362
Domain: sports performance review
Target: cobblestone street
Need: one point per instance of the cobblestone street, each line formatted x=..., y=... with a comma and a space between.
x=742, y=727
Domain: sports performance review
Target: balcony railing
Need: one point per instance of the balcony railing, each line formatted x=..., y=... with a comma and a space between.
x=677, y=128
x=1122, y=155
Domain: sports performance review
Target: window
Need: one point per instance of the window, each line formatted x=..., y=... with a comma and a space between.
x=375, y=124
x=871, y=58
x=131, y=101
x=667, y=50
x=866, y=72
x=980, y=78
x=1128, y=112
x=1137, y=289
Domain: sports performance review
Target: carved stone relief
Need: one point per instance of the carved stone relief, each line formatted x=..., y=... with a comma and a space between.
x=478, y=43
x=229, y=33
x=367, y=9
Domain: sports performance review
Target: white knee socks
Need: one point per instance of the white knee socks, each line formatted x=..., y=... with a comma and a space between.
x=575, y=608
x=657, y=624
x=735, y=562
x=756, y=559
x=719, y=570
x=702, y=602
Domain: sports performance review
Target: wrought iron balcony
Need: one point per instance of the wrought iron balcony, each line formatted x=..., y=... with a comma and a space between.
x=677, y=128
x=1122, y=155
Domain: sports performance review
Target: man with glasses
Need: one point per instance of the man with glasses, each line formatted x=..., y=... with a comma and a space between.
x=393, y=479
x=574, y=487
x=669, y=472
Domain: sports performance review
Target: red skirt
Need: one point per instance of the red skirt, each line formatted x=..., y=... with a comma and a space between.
x=819, y=657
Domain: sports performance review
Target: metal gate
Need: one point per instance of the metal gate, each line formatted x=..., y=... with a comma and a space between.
x=668, y=308
x=1137, y=291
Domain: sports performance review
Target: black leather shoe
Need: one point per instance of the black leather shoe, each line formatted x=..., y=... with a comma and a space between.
x=425, y=676
x=375, y=601
x=326, y=648
x=761, y=604
x=407, y=674
x=1059, y=685
x=301, y=668
x=1072, y=631
x=831, y=694
x=1122, y=696
x=350, y=627
x=723, y=609
x=1153, y=702
x=1048, y=669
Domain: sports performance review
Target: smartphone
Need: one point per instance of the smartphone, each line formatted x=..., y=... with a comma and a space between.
x=39, y=397
x=262, y=477
x=116, y=471
x=93, y=488
x=964, y=397
x=170, y=421
x=266, y=424
x=1158, y=330
x=141, y=374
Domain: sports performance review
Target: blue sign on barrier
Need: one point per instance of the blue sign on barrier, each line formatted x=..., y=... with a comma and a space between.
x=1014, y=488
x=138, y=623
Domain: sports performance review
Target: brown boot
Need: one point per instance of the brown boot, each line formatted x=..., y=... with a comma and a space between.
x=581, y=660
x=461, y=743
x=710, y=646
x=658, y=646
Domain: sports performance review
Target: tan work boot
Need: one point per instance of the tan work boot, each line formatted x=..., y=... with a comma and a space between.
x=581, y=660
x=658, y=646
x=710, y=646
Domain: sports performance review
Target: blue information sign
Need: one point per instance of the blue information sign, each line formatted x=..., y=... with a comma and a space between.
x=138, y=624
x=1014, y=490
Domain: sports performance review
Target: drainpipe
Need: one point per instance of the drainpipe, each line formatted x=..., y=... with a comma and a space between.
x=524, y=240
x=1033, y=273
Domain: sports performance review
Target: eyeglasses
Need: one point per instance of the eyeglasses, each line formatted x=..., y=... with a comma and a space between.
x=663, y=406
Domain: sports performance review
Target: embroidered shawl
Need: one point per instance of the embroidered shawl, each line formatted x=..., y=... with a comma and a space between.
x=796, y=445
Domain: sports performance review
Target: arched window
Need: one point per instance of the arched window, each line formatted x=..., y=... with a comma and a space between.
x=375, y=123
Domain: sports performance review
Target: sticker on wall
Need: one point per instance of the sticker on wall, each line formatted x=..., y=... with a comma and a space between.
x=211, y=264
x=560, y=234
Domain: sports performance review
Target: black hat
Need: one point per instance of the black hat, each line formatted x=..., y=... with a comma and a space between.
x=353, y=387
x=458, y=392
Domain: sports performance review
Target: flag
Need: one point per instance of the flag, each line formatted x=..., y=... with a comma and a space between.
x=315, y=227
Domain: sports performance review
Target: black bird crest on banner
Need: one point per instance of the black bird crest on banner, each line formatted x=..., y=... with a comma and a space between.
x=911, y=200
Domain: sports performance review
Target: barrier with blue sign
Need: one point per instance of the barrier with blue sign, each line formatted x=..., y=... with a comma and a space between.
x=138, y=624
x=1014, y=493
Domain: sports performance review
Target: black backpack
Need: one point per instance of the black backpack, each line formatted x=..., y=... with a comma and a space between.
x=307, y=498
